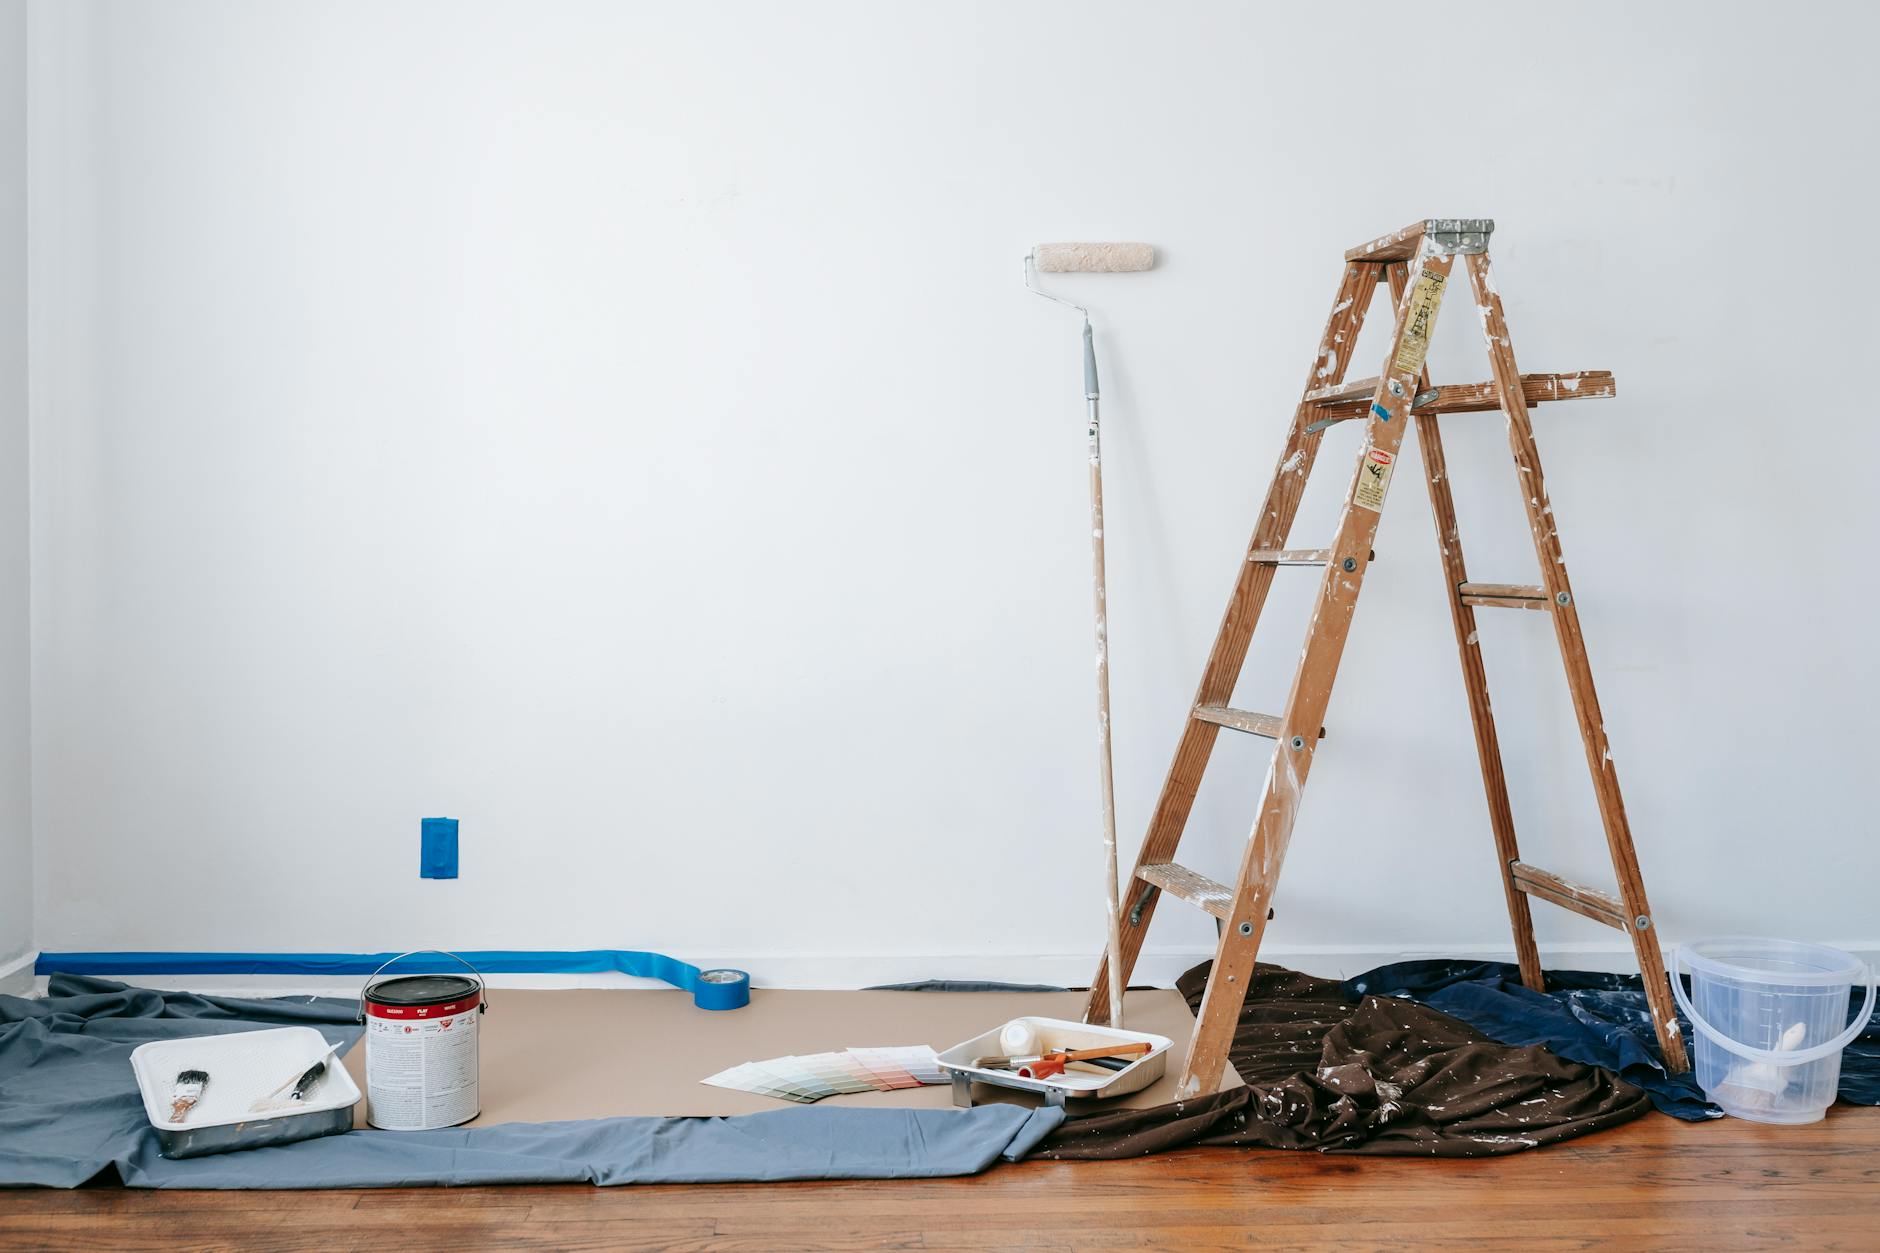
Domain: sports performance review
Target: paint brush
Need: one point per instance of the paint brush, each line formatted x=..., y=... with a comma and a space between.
x=302, y=1081
x=1045, y=1067
x=1064, y=1055
x=188, y=1090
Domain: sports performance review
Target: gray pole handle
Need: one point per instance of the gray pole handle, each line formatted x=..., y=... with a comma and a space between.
x=1090, y=364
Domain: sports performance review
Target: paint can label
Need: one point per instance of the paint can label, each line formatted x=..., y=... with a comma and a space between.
x=421, y=1065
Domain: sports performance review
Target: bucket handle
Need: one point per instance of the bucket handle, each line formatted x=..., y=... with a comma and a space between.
x=1775, y=1057
x=483, y=992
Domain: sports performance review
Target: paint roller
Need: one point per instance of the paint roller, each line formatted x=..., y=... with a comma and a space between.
x=1091, y=258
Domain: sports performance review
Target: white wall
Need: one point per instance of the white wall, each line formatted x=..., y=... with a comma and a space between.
x=16, y=833
x=622, y=427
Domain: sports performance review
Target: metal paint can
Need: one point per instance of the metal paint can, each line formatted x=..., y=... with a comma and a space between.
x=421, y=1047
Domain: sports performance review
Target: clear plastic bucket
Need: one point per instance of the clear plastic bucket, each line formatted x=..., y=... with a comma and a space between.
x=1771, y=1020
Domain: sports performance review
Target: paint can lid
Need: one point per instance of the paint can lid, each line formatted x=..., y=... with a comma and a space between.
x=421, y=990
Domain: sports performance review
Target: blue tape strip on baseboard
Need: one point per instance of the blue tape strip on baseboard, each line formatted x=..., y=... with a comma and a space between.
x=710, y=989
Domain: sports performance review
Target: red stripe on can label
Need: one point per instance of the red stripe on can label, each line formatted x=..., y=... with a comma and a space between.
x=446, y=1010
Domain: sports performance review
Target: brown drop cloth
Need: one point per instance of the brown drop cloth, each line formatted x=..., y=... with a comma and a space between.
x=1383, y=1075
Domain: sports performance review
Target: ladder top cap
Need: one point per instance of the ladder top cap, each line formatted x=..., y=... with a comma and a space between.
x=1448, y=236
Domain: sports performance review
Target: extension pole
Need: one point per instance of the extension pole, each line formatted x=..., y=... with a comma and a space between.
x=1106, y=771
x=1092, y=258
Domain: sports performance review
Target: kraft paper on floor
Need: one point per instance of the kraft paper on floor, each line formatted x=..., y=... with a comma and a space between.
x=558, y=1054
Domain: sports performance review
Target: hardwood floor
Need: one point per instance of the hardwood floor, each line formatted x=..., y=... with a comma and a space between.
x=1655, y=1183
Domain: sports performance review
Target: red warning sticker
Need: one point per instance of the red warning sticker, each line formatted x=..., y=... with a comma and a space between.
x=1373, y=479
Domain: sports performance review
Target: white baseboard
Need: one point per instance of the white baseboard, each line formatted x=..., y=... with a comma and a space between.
x=1158, y=967
x=16, y=976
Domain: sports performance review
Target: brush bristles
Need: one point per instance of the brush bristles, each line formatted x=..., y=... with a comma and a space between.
x=1093, y=258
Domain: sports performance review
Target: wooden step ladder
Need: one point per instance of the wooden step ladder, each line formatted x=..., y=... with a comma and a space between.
x=1416, y=262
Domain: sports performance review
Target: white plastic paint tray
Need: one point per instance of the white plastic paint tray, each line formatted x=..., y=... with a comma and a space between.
x=1057, y=1033
x=243, y=1067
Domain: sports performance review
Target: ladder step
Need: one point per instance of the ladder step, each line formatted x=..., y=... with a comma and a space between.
x=1505, y=595
x=1192, y=886
x=1353, y=400
x=1267, y=725
x=1297, y=556
x=1450, y=235
x=1536, y=389
x=1290, y=556
x=1590, y=902
x=1358, y=389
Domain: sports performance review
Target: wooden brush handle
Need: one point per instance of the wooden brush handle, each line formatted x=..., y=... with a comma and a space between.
x=1114, y=1050
x=1133, y=1049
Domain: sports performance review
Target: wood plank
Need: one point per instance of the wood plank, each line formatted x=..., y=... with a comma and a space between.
x=1192, y=886
x=1505, y=595
x=1719, y=1186
x=1290, y=556
x=1399, y=245
x=1505, y=602
x=1503, y=591
x=1252, y=582
x=1535, y=389
x=1311, y=690
x=1476, y=397
x=1474, y=675
x=1361, y=389
x=1587, y=902
x=1432, y=237
x=1542, y=528
x=1266, y=725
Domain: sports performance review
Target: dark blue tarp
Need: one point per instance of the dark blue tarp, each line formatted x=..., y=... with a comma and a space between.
x=1586, y=1016
x=70, y=1112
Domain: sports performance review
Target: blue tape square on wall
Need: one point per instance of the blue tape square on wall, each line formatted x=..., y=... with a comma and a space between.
x=437, y=857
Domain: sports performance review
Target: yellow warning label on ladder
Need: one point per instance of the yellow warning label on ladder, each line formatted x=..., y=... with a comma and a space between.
x=1425, y=298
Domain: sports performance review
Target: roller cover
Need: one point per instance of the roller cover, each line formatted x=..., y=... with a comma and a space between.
x=1093, y=258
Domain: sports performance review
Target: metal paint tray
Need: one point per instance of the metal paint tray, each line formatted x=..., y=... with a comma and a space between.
x=243, y=1067
x=1057, y=1033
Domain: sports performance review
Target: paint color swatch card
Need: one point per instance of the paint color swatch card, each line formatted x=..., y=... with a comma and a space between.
x=816, y=1075
x=918, y=1061
x=749, y=1078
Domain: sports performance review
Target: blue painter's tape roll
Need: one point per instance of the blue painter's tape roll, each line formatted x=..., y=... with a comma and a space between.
x=721, y=989
x=710, y=989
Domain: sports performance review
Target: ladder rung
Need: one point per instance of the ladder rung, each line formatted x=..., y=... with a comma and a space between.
x=1536, y=389
x=1298, y=556
x=1267, y=725
x=1291, y=556
x=1504, y=595
x=1358, y=389
x=1590, y=902
x=1192, y=886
